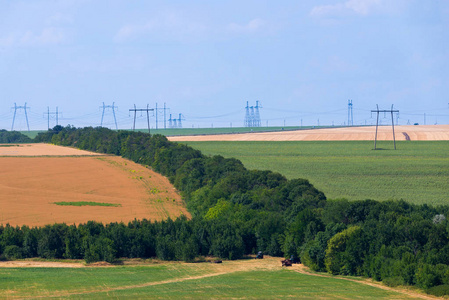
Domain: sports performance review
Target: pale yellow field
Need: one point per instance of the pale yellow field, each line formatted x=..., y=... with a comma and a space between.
x=414, y=133
x=41, y=150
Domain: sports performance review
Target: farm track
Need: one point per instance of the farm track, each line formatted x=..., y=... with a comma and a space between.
x=304, y=270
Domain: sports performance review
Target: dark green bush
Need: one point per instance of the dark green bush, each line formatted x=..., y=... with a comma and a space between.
x=12, y=252
x=439, y=290
x=393, y=281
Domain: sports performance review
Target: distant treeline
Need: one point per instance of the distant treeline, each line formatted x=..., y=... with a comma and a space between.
x=238, y=212
x=13, y=137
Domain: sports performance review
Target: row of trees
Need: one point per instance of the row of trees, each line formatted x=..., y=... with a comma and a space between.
x=238, y=211
x=13, y=137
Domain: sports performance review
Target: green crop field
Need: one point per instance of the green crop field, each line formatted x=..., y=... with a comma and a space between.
x=417, y=172
x=180, y=280
x=221, y=130
x=202, y=131
x=32, y=133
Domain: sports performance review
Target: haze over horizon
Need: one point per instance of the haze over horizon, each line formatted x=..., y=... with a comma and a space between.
x=303, y=60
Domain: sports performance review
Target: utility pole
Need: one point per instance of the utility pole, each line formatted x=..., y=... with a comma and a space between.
x=156, y=115
x=15, y=111
x=392, y=123
x=135, y=110
x=53, y=113
x=113, y=107
x=165, y=119
x=165, y=115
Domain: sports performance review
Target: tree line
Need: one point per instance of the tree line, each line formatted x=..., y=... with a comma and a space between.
x=236, y=212
x=7, y=137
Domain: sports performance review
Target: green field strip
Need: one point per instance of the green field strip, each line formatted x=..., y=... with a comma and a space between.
x=86, y=203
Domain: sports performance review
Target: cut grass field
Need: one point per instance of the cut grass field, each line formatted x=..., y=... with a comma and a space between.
x=418, y=171
x=249, y=279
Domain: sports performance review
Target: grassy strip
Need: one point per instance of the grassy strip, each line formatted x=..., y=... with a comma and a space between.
x=86, y=203
x=417, y=171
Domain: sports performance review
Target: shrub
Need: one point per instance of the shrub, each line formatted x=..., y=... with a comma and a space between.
x=393, y=281
x=439, y=290
x=427, y=277
x=335, y=259
x=12, y=252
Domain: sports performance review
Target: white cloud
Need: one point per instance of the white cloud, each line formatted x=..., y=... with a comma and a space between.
x=168, y=25
x=7, y=41
x=252, y=26
x=48, y=36
x=59, y=19
x=358, y=7
x=362, y=7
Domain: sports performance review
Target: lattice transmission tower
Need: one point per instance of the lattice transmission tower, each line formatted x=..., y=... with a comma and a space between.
x=350, y=116
x=113, y=107
x=252, y=115
x=247, y=116
x=15, y=111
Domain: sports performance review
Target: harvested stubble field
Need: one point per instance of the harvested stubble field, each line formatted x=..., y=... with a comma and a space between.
x=41, y=150
x=385, y=133
x=34, y=177
x=248, y=279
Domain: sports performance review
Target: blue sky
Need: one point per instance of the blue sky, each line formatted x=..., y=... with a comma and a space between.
x=302, y=60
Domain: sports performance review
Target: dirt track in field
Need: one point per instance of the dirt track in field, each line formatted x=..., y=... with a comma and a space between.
x=29, y=186
x=305, y=270
x=410, y=132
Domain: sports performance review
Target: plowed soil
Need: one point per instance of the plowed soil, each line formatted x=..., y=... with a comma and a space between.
x=29, y=186
x=413, y=133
